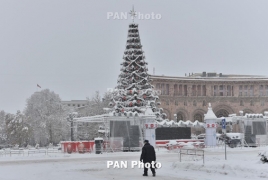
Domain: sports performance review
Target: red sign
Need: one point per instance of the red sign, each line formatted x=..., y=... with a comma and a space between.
x=150, y=125
x=212, y=125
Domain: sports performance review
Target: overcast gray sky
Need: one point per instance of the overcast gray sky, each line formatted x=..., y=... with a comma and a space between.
x=72, y=49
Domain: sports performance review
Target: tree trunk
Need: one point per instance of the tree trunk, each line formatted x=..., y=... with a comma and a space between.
x=50, y=133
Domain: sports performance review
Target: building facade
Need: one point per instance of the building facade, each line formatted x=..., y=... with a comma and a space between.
x=187, y=97
x=76, y=103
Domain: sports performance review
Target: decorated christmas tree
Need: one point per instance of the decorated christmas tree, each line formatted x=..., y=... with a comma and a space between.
x=134, y=93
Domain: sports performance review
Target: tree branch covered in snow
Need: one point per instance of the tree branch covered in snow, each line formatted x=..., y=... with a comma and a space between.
x=17, y=129
x=95, y=105
x=47, y=117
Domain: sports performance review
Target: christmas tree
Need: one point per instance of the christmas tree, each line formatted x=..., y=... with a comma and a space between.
x=134, y=93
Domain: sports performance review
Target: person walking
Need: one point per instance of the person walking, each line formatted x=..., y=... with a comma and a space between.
x=148, y=156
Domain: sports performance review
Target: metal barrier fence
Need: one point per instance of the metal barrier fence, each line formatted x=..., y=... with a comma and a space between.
x=34, y=151
x=192, y=152
x=15, y=152
x=10, y=152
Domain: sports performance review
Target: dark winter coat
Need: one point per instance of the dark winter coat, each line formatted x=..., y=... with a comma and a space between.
x=148, y=153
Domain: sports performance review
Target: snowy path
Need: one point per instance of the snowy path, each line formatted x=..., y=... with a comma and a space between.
x=85, y=167
x=240, y=164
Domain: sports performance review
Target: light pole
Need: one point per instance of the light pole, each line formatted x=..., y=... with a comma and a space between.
x=223, y=125
x=70, y=119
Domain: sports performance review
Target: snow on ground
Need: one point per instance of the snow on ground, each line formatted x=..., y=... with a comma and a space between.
x=241, y=163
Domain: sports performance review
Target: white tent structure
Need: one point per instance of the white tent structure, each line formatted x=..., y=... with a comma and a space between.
x=125, y=130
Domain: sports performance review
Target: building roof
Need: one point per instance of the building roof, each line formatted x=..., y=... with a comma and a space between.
x=210, y=114
x=199, y=77
x=75, y=101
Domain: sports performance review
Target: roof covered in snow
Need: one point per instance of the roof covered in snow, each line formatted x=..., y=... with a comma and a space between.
x=210, y=114
x=213, y=77
x=181, y=123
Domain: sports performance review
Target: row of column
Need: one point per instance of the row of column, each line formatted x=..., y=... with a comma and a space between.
x=212, y=90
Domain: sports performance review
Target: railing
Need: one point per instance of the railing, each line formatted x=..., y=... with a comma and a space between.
x=28, y=151
x=192, y=152
x=14, y=152
x=34, y=151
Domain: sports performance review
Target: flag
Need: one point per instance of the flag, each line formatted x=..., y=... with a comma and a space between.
x=38, y=86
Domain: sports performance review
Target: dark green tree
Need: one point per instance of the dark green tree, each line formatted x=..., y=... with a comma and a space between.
x=134, y=91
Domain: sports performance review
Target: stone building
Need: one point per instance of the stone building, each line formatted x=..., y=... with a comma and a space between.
x=188, y=96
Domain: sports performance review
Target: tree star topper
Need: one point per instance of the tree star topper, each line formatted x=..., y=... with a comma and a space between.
x=133, y=13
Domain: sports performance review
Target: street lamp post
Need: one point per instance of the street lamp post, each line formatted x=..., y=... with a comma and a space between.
x=70, y=119
x=223, y=125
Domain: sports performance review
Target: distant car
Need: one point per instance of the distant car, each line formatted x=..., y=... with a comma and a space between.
x=232, y=143
x=172, y=143
x=201, y=136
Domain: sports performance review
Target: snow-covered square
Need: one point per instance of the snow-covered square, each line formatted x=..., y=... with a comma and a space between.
x=241, y=163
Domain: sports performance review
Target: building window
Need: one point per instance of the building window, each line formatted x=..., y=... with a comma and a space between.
x=175, y=90
x=158, y=86
x=266, y=89
x=240, y=90
x=180, y=90
x=185, y=90
x=194, y=90
x=222, y=113
x=241, y=103
x=221, y=90
x=179, y=117
x=194, y=103
x=212, y=91
x=176, y=102
x=215, y=91
x=73, y=104
x=245, y=90
x=185, y=103
x=69, y=104
x=167, y=89
x=163, y=90
x=78, y=105
x=204, y=103
x=228, y=93
x=198, y=117
x=198, y=90
x=261, y=90
x=251, y=90
x=204, y=90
